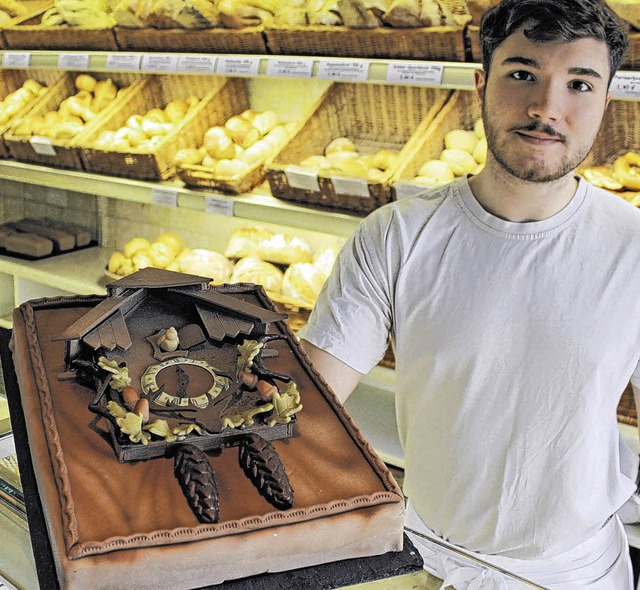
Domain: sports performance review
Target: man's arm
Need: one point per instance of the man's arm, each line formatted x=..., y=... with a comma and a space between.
x=341, y=377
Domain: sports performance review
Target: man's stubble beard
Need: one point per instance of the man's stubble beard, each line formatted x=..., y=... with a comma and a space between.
x=532, y=173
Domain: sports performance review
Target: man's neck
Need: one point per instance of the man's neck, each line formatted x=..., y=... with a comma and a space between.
x=512, y=199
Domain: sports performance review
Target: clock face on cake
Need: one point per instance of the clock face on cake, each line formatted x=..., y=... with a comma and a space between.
x=183, y=383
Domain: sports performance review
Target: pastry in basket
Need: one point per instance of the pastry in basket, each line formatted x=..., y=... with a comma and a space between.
x=303, y=282
x=627, y=170
x=19, y=99
x=73, y=113
x=237, y=14
x=252, y=269
x=341, y=157
x=284, y=249
x=232, y=150
x=205, y=263
x=94, y=14
x=244, y=241
x=418, y=13
x=465, y=152
x=142, y=133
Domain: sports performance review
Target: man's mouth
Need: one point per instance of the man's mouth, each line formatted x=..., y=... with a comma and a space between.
x=539, y=133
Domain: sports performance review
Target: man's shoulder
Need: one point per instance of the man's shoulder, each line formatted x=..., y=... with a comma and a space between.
x=620, y=209
x=418, y=207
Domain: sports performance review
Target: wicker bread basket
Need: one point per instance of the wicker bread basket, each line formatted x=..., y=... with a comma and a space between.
x=249, y=40
x=460, y=112
x=374, y=117
x=65, y=152
x=434, y=43
x=445, y=43
x=619, y=133
x=32, y=7
x=154, y=92
x=11, y=80
x=29, y=33
x=233, y=100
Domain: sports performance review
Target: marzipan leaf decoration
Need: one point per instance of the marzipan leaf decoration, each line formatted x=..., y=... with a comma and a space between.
x=183, y=430
x=119, y=375
x=247, y=351
x=131, y=424
x=262, y=465
x=285, y=404
x=193, y=470
x=244, y=417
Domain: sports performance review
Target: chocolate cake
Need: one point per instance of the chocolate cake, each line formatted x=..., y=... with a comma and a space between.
x=181, y=438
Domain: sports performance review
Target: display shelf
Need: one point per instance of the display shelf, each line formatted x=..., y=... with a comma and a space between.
x=431, y=73
x=258, y=206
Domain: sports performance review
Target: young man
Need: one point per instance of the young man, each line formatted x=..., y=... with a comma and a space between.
x=512, y=301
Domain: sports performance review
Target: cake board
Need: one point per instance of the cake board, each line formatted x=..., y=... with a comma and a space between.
x=329, y=576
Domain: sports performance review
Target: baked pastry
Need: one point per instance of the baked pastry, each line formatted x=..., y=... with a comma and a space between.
x=75, y=358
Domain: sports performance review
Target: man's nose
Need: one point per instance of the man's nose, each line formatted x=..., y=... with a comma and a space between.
x=545, y=103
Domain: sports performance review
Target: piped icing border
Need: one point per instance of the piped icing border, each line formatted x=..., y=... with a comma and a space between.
x=77, y=549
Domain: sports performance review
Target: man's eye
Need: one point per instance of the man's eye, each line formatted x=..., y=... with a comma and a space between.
x=522, y=75
x=580, y=86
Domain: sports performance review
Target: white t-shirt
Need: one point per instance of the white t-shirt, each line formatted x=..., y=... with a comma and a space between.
x=513, y=342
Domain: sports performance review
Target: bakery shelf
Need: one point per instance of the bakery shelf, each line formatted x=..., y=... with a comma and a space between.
x=78, y=272
x=258, y=206
x=453, y=74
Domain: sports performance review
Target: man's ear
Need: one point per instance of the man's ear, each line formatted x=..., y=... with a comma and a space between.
x=480, y=80
x=606, y=104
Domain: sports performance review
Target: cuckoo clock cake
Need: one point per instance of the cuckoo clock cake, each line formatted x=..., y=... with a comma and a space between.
x=180, y=438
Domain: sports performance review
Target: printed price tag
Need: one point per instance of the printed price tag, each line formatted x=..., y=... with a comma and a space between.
x=15, y=59
x=626, y=85
x=405, y=190
x=302, y=178
x=238, y=65
x=123, y=61
x=159, y=62
x=164, y=197
x=218, y=205
x=290, y=68
x=42, y=146
x=350, y=186
x=343, y=70
x=201, y=64
x=73, y=61
x=415, y=73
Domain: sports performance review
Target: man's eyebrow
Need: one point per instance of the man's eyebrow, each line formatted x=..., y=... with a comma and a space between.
x=525, y=61
x=532, y=63
x=585, y=72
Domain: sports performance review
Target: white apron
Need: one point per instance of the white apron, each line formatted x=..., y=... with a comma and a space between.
x=599, y=563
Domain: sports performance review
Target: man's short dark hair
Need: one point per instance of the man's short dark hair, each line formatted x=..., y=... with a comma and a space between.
x=554, y=20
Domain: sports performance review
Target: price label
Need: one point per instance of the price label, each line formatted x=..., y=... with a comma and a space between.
x=164, y=197
x=415, y=73
x=219, y=206
x=343, y=70
x=42, y=146
x=350, y=186
x=404, y=190
x=15, y=59
x=123, y=61
x=302, y=178
x=238, y=65
x=159, y=62
x=73, y=61
x=201, y=64
x=626, y=85
x=290, y=68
